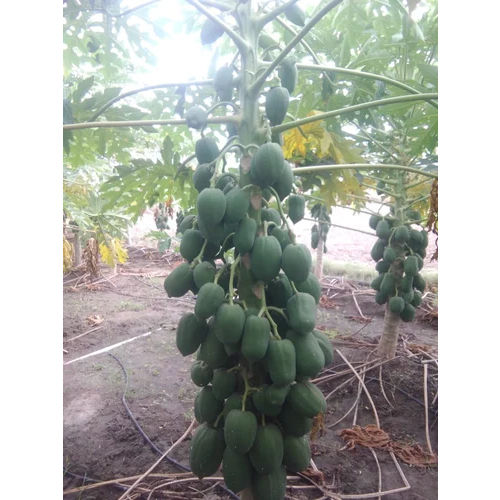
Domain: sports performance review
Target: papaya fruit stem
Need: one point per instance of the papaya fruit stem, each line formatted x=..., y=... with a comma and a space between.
x=231, y=279
x=257, y=84
x=198, y=258
x=273, y=325
x=247, y=389
x=282, y=214
x=219, y=273
x=222, y=103
x=278, y=310
x=240, y=42
x=218, y=418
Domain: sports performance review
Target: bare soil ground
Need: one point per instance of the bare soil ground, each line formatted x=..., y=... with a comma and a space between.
x=101, y=441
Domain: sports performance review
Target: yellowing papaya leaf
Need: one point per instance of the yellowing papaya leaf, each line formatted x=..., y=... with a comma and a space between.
x=345, y=151
x=310, y=137
x=121, y=253
x=67, y=255
x=113, y=255
x=106, y=254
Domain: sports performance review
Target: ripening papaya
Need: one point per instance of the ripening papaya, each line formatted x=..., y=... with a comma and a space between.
x=296, y=261
x=206, y=406
x=296, y=453
x=374, y=220
x=280, y=360
x=211, y=205
x=377, y=251
x=191, y=244
x=408, y=313
x=186, y=223
x=209, y=299
x=212, y=351
x=206, y=150
x=267, y=164
x=201, y=373
x=223, y=384
x=266, y=453
x=396, y=304
x=271, y=215
x=196, y=117
x=325, y=345
x=207, y=449
x=283, y=186
x=255, y=340
x=276, y=105
x=210, y=32
x=295, y=15
x=296, y=207
x=191, y=332
x=229, y=322
x=301, y=311
x=270, y=486
x=282, y=236
x=179, y=281
x=383, y=230
x=310, y=285
x=223, y=83
x=287, y=72
x=279, y=291
x=201, y=177
x=236, y=470
x=245, y=235
x=265, y=259
x=293, y=423
x=306, y=399
x=237, y=204
x=309, y=357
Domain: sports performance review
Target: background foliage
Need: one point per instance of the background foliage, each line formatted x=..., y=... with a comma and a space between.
x=112, y=174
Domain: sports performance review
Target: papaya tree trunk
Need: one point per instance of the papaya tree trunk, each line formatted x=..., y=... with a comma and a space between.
x=78, y=249
x=318, y=268
x=389, y=340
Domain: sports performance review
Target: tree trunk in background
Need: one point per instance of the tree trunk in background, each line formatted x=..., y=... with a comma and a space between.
x=389, y=340
x=78, y=249
x=318, y=269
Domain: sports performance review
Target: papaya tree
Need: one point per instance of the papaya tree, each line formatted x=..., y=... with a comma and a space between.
x=252, y=330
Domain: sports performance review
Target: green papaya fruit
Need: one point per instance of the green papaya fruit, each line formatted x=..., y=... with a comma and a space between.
x=276, y=105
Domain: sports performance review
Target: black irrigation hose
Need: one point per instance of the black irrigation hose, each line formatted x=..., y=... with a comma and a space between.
x=145, y=436
x=413, y=398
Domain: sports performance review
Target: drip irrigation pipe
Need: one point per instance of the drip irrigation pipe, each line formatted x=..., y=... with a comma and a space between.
x=146, y=437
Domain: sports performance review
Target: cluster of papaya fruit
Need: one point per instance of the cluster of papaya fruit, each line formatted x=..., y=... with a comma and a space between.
x=253, y=364
x=252, y=330
x=399, y=252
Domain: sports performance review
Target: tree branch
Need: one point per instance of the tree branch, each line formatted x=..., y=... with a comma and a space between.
x=363, y=74
x=257, y=84
x=360, y=166
x=350, y=109
x=237, y=39
x=266, y=18
x=144, y=89
x=133, y=9
x=217, y=5
x=306, y=46
x=145, y=123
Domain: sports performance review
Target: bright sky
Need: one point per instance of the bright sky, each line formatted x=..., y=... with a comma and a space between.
x=182, y=57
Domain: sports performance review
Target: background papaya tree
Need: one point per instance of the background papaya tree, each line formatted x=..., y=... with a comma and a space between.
x=255, y=118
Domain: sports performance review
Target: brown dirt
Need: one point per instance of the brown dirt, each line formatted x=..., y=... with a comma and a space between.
x=101, y=441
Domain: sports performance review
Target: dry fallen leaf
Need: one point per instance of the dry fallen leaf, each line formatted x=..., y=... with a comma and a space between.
x=94, y=320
